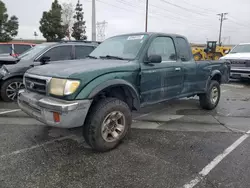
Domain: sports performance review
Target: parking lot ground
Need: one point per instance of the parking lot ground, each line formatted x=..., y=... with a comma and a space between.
x=169, y=145
x=231, y=172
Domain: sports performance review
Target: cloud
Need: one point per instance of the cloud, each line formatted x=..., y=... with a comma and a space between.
x=195, y=19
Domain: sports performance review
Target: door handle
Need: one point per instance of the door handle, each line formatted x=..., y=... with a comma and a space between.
x=177, y=69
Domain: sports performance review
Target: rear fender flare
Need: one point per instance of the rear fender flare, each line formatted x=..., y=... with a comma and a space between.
x=213, y=73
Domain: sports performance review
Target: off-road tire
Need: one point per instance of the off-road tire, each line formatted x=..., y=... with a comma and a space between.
x=4, y=87
x=93, y=124
x=217, y=56
x=205, y=99
x=197, y=57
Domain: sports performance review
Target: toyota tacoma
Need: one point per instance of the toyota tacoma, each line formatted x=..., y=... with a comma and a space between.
x=122, y=74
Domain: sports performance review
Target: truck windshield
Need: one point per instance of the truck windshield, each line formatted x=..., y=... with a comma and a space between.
x=32, y=52
x=243, y=48
x=120, y=47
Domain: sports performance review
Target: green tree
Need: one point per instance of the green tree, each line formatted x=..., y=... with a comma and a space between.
x=8, y=27
x=51, y=25
x=79, y=28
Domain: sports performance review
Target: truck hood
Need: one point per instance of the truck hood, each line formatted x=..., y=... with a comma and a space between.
x=245, y=56
x=92, y=67
x=18, y=66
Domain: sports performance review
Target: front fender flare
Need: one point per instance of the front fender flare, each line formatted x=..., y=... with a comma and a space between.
x=118, y=82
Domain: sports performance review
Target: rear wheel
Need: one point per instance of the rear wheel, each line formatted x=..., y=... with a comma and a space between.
x=107, y=124
x=10, y=88
x=211, y=98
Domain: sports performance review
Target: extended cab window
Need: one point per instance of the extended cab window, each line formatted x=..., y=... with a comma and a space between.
x=20, y=48
x=163, y=46
x=59, y=53
x=83, y=51
x=183, y=47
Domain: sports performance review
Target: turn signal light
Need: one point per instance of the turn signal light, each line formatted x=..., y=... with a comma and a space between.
x=56, y=116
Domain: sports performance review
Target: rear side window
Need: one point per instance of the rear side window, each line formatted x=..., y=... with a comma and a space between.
x=59, y=53
x=183, y=47
x=20, y=48
x=83, y=51
x=5, y=48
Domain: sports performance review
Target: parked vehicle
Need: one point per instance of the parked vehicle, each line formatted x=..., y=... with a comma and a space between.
x=122, y=74
x=211, y=52
x=11, y=76
x=239, y=57
x=14, y=48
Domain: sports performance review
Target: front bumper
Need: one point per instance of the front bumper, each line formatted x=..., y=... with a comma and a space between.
x=42, y=108
x=239, y=73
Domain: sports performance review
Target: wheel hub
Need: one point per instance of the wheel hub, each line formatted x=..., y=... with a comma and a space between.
x=113, y=126
x=214, y=95
x=12, y=89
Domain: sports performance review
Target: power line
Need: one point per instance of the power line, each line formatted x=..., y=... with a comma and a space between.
x=194, y=5
x=183, y=8
x=237, y=23
x=177, y=18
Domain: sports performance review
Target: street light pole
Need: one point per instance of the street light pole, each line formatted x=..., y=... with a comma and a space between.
x=146, y=22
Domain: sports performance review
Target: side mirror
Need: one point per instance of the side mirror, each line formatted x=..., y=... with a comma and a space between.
x=227, y=51
x=45, y=59
x=154, y=59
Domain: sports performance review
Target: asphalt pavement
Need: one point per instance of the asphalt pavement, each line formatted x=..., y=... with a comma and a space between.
x=173, y=144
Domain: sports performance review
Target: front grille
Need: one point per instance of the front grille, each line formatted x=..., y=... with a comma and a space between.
x=37, y=85
x=239, y=63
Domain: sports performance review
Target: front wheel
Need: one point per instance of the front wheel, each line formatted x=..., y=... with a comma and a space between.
x=10, y=88
x=211, y=98
x=107, y=124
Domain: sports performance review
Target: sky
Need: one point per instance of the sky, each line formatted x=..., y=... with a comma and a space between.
x=195, y=19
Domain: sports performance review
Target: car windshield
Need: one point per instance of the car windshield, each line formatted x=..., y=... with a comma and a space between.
x=243, y=48
x=120, y=47
x=32, y=52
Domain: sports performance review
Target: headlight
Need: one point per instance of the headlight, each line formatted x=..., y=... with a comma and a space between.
x=63, y=87
x=3, y=71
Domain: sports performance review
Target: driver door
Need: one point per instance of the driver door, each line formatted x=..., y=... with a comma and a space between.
x=158, y=79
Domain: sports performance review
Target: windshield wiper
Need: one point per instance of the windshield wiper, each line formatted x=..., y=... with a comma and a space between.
x=92, y=57
x=112, y=57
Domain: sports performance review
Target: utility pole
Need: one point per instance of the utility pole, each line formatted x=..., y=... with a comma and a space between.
x=146, y=22
x=93, y=21
x=101, y=27
x=222, y=18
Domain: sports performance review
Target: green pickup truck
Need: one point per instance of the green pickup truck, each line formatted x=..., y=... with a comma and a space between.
x=123, y=74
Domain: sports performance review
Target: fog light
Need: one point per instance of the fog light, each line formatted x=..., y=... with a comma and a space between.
x=56, y=116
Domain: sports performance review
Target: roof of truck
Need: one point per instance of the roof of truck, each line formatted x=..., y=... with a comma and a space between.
x=152, y=33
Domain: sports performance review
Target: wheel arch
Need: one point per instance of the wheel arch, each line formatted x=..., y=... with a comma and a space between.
x=118, y=88
x=215, y=75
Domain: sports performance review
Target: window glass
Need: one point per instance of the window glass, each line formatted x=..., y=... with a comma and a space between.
x=163, y=46
x=20, y=48
x=183, y=47
x=83, y=51
x=59, y=53
x=5, y=48
x=243, y=48
x=124, y=46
